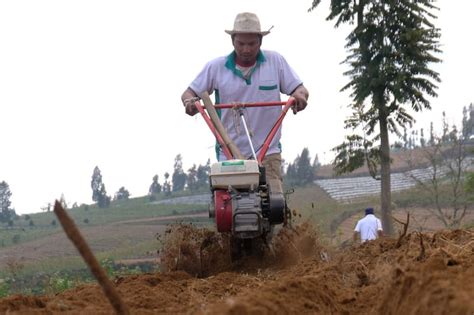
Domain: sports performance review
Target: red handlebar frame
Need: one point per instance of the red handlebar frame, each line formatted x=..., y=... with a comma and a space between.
x=266, y=144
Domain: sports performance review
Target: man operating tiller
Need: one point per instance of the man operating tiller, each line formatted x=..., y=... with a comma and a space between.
x=248, y=75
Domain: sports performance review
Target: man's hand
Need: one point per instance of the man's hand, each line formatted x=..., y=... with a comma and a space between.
x=189, y=99
x=190, y=106
x=301, y=96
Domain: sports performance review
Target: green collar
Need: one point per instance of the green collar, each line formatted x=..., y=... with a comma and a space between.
x=230, y=64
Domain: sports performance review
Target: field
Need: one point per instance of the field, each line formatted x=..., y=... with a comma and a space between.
x=415, y=274
x=314, y=267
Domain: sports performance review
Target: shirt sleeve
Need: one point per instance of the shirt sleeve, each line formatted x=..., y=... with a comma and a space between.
x=289, y=80
x=357, y=228
x=204, y=81
x=379, y=225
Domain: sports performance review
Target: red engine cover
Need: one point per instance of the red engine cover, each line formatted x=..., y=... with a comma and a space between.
x=223, y=208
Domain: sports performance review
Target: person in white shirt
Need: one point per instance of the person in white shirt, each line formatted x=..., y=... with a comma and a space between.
x=368, y=228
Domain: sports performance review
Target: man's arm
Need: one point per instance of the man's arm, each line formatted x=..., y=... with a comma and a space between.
x=355, y=237
x=188, y=98
x=379, y=228
x=301, y=95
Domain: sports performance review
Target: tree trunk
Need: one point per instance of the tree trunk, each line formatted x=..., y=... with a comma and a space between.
x=386, y=195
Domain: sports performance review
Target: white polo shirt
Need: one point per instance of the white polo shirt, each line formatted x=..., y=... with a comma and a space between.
x=271, y=76
x=368, y=227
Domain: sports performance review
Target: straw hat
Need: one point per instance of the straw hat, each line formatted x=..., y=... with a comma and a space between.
x=246, y=23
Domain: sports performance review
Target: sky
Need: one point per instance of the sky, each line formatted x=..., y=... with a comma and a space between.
x=98, y=83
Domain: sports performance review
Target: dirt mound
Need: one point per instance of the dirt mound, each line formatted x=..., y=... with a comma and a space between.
x=417, y=274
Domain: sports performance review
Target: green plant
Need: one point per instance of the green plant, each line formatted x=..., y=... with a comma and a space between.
x=59, y=283
x=4, y=288
x=109, y=266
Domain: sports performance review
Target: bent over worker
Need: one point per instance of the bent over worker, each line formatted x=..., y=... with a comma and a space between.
x=369, y=227
x=248, y=75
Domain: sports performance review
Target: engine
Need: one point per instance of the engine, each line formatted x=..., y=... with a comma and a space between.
x=243, y=203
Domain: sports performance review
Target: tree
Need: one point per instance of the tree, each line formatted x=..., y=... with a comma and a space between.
x=179, y=177
x=155, y=187
x=304, y=169
x=103, y=201
x=122, y=194
x=99, y=194
x=191, y=178
x=422, y=138
x=301, y=171
x=167, y=185
x=316, y=163
x=468, y=122
x=202, y=175
x=390, y=47
x=6, y=213
x=96, y=183
x=448, y=184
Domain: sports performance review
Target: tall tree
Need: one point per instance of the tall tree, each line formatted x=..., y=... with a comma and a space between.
x=202, y=175
x=99, y=194
x=391, y=47
x=304, y=169
x=191, y=178
x=167, y=185
x=96, y=183
x=179, y=177
x=301, y=172
x=6, y=213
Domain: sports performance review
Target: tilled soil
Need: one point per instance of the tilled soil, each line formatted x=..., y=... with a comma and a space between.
x=429, y=273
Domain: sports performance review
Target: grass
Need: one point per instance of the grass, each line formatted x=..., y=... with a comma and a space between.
x=45, y=224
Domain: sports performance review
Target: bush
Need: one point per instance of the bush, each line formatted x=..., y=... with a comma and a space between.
x=59, y=283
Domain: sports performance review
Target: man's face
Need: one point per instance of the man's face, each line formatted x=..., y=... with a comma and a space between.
x=246, y=48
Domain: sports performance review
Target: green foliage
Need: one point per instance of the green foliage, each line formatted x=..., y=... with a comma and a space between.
x=178, y=177
x=6, y=213
x=167, y=185
x=301, y=172
x=470, y=185
x=155, y=187
x=99, y=194
x=108, y=265
x=191, y=178
x=4, y=288
x=122, y=194
x=59, y=283
x=202, y=175
x=390, y=49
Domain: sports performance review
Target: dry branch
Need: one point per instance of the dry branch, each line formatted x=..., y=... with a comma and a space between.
x=405, y=229
x=422, y=248
x=80, y=243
